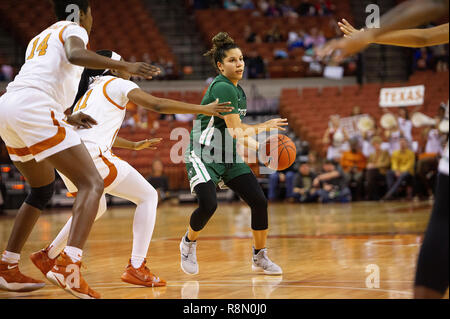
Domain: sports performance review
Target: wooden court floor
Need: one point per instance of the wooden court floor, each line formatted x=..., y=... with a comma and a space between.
x=326, y=251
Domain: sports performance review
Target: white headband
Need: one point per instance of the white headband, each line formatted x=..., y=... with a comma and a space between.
x=115, y=57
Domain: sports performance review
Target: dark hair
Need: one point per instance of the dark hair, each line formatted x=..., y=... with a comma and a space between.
x=222, y=42
x=89, y=73
x=406, y=112
x=59, y=6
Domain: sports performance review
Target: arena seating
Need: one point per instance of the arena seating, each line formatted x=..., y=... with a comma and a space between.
x=308, y=111
x=123, y=26
x=212, y=21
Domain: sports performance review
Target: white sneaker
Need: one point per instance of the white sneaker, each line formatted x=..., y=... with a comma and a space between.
x=262, y=263
x=188, y=256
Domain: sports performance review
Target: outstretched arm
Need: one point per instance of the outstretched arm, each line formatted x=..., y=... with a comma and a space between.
x=120, y=142
x=78, y=55
x=414, y=38
x=406, y=15
x=167, y=106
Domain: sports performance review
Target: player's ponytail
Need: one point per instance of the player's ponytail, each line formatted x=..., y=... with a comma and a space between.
x=89, y=74
x=222, y=42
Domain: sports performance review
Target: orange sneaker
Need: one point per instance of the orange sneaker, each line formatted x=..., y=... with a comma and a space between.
x=67, y=275
x=41, y=260
x=11, y=279
x=141, y=276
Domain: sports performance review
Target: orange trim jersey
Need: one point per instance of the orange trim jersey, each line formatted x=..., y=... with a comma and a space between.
x=105, y=101
x=46, y=66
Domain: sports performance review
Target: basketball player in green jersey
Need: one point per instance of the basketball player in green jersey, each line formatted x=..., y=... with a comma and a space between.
x=212, y=160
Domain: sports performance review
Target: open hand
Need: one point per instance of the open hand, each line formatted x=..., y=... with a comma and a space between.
x=81, y=120
x=215, y=108
x=151, y=144
x=348, y=29
x=276, y=124
x=145, y=70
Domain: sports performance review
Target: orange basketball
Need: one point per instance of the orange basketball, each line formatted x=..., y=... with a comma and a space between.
x=281, y=152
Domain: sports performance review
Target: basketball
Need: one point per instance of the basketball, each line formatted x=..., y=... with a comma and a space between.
x=281, y=152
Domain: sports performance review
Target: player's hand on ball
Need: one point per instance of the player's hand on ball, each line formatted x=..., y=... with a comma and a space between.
x=81, y=120
x=151, y=144
x=276, y=124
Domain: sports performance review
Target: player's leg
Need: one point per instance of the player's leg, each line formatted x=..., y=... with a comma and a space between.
x=41, y=178
x=138, y=190
x=248, y=188
x=432, y=276
x=203, y=179
x=77, y=165
x=207, y=205
x=44, y=259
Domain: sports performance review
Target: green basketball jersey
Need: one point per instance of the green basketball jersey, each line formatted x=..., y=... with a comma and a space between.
x=210, y=135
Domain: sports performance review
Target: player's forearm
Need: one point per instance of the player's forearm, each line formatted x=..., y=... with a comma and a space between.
x=124, y=143
x=415, y=38
x=409, y=14
x=167, y=106
x=248, y=142
x=92, y=60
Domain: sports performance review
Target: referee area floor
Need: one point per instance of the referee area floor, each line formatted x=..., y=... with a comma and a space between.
x=336, y=251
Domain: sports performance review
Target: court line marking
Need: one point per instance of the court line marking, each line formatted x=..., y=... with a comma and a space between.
x=377, y=241
x=240, y=285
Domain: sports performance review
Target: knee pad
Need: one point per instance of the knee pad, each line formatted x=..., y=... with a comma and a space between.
x=40, y=196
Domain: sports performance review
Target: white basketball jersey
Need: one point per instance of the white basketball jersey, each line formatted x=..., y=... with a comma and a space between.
x=46, y=66
x=105, y=101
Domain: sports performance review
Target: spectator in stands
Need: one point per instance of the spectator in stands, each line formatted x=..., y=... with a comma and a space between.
x=332, y=184
x=428, y=160
x=158, y=180
x=404, y=123
x=393, y=136
x=440, y=57
x=247, y=5
x=255, y=67
x=324, y=7
x=287, y=10
x=273, y=35
x=273, y=10
x=7, y=73
x=422, y=59
x=314, y=163
x=306, y=8
x=184, y=117
x=263, y=6
x=378, y=164
x=353, y=164
x=402, y=169
x=315, y=39
x=335, y=139
x=304, y=192
x=287, y=176
x=129, y=120
x=251, y=36
x=230, y=5
x=296, y=39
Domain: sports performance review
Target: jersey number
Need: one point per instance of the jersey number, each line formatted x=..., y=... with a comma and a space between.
x=42, y=48
x=79, y=105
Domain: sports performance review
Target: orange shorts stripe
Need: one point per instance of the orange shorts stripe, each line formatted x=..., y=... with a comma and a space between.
x=108, y=180
x=41, y=146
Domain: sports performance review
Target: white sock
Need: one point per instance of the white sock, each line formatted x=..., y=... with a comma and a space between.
x=74, y=253
x=57, y=246
x=10, y=258
x=136, y=261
